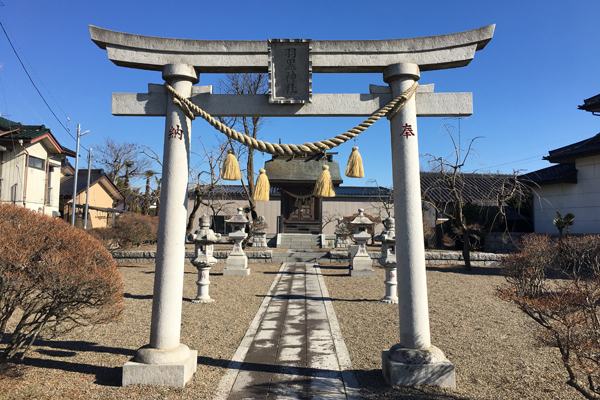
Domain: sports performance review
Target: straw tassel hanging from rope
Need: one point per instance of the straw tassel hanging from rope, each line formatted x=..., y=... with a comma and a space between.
x=355, y=165
x=262, y=188
x=231, y=168
x=324, y=185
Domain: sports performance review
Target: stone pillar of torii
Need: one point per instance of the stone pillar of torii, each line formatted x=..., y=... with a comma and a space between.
x=413, y=361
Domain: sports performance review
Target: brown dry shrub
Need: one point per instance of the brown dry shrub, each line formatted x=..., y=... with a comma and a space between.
x=558, y=286
x=135, y=229
x=53, y=278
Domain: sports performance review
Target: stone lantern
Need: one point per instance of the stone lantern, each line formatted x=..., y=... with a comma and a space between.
x=388, y=260
x=259, y=238
x=237, y=262
x=361, y=263
x=204, y=240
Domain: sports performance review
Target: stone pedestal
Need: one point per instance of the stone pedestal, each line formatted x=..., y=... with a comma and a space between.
x=429, y=366
x=172, y=367
x=361, y=264
x=203, y=286
x=237, y=261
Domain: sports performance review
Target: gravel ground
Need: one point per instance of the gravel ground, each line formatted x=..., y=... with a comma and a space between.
x=490, y=341
x=87, y=364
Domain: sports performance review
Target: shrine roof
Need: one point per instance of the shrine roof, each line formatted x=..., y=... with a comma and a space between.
x=568, y=154
x=300, y=170
x=556, y=174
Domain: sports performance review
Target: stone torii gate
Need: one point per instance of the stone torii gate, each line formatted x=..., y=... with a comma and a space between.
x=412, y=361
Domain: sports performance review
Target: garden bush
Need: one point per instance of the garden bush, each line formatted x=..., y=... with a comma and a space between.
x=557, y=284
x=135, y=229
x=53, y=278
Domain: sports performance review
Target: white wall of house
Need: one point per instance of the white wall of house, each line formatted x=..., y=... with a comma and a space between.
x=582, y=199
x=13, y=175
x=26, y=185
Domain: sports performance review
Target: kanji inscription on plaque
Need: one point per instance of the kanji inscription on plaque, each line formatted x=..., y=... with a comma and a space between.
x=290, y=71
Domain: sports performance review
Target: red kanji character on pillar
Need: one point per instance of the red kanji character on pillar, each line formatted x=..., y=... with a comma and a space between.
x=407, y=131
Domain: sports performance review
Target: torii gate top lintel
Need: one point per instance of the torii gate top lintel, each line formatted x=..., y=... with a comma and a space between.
x=339, y=56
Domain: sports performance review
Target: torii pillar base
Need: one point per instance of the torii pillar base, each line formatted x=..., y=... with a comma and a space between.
x=402, y=367
x=167, y=369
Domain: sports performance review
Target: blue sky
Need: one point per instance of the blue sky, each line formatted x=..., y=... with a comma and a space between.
x=526, y=84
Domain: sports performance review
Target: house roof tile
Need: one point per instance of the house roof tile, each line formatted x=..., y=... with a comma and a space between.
x=568, y=154
x=10, y=130
x=561, y=173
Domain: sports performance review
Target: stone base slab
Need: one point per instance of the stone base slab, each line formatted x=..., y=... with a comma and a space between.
x=229, y=271
x=362, y=273
x=439, y=373
x=171, y=374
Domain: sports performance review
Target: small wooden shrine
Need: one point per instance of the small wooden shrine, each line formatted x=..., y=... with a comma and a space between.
x=301, y=211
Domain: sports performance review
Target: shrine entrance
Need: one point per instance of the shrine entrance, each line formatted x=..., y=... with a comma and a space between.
x=290, y=63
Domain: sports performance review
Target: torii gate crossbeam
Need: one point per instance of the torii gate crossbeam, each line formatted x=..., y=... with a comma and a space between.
x=413, y=361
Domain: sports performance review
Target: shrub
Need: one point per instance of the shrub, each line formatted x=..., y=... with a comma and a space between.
x=567, y=309
x=135, y=229
x=53, y=278
x=106, y=236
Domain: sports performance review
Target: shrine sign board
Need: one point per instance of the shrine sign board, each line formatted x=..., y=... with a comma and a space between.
x=290, y=71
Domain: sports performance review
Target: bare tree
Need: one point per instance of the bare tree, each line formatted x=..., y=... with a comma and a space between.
x=240, y=84
x=454, y=183
x=207, y=184
x=114, y=157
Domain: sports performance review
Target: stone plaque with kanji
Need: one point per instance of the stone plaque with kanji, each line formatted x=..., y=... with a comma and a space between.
x=290, y=71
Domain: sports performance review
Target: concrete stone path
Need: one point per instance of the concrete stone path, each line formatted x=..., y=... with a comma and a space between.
x=294, y=348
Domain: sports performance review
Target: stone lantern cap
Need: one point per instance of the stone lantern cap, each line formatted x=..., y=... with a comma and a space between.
x=205, y=235
x=238, y=220
x=388, y=236
x=361, y=220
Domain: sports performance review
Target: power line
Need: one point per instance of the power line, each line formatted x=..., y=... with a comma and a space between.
x=34, y=85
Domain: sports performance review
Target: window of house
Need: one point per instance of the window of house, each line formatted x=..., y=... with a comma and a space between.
x=35, y=162
x=13, y=193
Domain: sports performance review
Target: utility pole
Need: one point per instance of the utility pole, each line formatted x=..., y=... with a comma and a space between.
x=79, y=135
x=87, y=191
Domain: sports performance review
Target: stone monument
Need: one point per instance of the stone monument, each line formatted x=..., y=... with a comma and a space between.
x=388, y=260
x=413, y=361
x=204, y=240
x=259, y=231
x=342, y=236
x=237, y=261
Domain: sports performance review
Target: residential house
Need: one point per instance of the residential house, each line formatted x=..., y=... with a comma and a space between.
x=103, y=197
x=570, y=186
x=30, y=163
